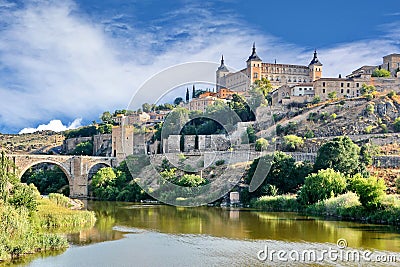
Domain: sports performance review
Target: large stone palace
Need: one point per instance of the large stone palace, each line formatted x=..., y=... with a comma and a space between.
x=277, y=74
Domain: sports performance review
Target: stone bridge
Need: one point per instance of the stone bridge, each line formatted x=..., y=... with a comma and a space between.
x=78, y=169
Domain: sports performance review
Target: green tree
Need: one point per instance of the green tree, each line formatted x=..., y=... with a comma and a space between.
x=286, y=174
x=47, y=179
x=251, y=134
x=261, y=144
x=105, y=128
x=381, y=73
x=332, y=95
x=322, y=185
x=84, y=148
x=146, y=107
x=370, y=190
x=340, y=154
x=193, y=92
x=178, y=100
x=367, y=89
x=107, y=117
x=316, y=99
x=187, y=95
x=191, y=180
x=292, y=142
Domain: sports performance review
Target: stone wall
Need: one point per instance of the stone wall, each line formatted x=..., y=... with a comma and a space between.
x=70, y=144
x=102, y=145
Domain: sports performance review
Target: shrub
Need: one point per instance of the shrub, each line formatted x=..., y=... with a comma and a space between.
x=309, y=134
x=370, y=108
x=59, y=200
x=333, y=116
x=381, y=73
x=398, y=185
x=332, y=95
x=335, y=206
x=322, y=185
x=23, y=195
x=368, y=129
x=316, y=99
x=370, y=190
x=220, y=162
x=276, y=203
x=391, y=94
x=396, y=124
x=292, y=142
x=261, y=144
x=340, y=154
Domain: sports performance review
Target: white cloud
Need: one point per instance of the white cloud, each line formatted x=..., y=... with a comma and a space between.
x=53, y=125
x=64, y=64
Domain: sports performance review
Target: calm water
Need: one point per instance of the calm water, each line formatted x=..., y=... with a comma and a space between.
x=128, y=234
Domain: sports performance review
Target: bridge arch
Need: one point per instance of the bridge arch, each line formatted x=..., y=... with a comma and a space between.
x=23, y=170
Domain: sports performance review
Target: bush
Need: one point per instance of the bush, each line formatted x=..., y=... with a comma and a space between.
x=309, y=134
x=292, y=142
x=59, y=200
x=381, y=73
x=335, y=206
x=261, y=144
x=340, y=154
x=332, y=95
x=370, y=108
x=333, y=116
x=398, y=185
x=220, y=162
x=391, y=94
x=23, y=195
x=316, y=99
x=276, y=203
x=370, y=190
x=368, y=129
x=322, y=185
x=396, y=124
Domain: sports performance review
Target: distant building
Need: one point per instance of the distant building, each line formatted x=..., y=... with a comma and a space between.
x=277, y=74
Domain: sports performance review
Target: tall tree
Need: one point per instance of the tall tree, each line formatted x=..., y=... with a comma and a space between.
x=187, y=95
x=193, y=92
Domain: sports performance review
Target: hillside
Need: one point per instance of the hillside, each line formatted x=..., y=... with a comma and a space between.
x=36, y=143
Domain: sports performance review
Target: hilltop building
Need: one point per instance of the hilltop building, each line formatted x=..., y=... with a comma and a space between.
x=277, y=74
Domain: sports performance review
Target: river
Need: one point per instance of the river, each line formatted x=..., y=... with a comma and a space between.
x=129, y=234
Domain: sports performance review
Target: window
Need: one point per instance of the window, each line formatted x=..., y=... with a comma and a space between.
x=323, y=84
x=323, y=91
x=348, y=91
x=348, y=84
x=357, y=85
x=341, y=91
x=341, y=84
x=256, y=75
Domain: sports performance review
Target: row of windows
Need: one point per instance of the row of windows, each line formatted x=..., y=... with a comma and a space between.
x=342, y=84
x=342, y=91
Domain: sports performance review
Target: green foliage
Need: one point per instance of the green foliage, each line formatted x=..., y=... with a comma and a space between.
x=290, y=128
x=391, y=94
x=251, y=134
x=276, y=203
x=269, y=190
x=381, y=73
x=261, y=144
x=340, y=154
x=322, y=185
x=367, y=152
x=84, y=148
x=292, y=142
x=219, y=162
x=333, y=116
x=370, y=190
x=309, y=134
x=105, y=128
x=59, y=200
x=336, y=206
x=396, y=125
x=146, y=107
x=367, y=89
x=332, y=95
x=47, y=179
x=316, y=99
x=86, y=131
x=107, y=117
x=178, y=100
x=370, y=108
x=23, y=195
x=369, y=129
x=397, y=182
x=285, y=173
x=239, y=105
x=191, y=180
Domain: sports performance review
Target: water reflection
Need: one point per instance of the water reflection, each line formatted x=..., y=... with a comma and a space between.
x=233, y=224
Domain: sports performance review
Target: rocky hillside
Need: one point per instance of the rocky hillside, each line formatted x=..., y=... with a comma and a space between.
x=36, y=143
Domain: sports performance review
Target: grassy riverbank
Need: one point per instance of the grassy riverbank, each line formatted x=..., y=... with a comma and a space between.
x=345, y=207
x=25, y=232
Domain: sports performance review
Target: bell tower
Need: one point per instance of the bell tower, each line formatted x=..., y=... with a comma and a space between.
x=254, y=66
x=221, y=72
x=315, y=68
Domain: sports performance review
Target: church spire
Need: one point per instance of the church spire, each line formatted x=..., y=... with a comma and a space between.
x=222, y=67
x=315, y=60
x=254, y=55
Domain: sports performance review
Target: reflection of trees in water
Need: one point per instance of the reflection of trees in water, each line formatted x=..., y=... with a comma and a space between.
x=232, y=223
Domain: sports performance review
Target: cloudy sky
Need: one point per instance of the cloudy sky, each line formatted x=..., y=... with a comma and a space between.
x=63, y=63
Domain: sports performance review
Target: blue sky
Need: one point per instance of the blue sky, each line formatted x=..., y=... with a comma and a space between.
x=71, y=60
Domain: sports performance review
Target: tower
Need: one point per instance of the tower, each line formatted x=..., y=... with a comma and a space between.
x=221, y=72
x=315, y=68
x=254, y=65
